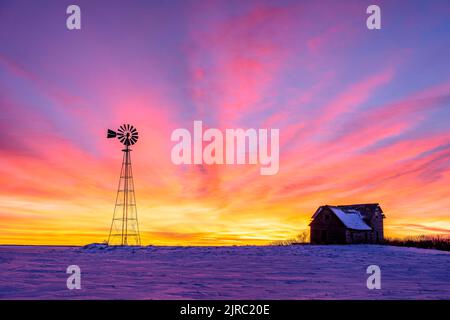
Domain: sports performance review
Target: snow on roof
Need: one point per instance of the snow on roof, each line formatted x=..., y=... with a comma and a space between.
x=352, y=219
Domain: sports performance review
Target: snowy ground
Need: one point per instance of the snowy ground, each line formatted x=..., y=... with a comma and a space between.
x=294, y=272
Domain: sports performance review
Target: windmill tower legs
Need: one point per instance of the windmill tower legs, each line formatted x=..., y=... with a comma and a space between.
x=124, y=226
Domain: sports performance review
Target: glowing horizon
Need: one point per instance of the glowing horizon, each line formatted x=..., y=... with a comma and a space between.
x=363, y=116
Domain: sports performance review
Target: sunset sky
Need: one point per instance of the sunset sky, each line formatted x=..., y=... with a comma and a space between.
x=364, y=116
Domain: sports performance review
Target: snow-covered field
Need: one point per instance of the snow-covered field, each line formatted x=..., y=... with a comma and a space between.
x=292, y=272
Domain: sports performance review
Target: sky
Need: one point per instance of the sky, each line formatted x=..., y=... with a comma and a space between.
x=364, y=116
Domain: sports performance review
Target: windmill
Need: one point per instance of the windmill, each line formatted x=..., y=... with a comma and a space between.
x=124, y=229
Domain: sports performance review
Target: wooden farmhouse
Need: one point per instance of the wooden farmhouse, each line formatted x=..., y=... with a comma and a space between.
x=356, y=223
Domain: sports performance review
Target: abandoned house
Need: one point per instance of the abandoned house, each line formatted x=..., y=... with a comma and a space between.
x=356, y=223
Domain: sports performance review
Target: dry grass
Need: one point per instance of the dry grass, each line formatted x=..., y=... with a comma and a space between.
x=437, y=242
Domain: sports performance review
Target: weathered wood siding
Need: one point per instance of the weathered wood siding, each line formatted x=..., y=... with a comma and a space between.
x=327, y=228
x=376, y=223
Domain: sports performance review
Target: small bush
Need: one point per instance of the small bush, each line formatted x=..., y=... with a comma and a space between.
x=301, y=238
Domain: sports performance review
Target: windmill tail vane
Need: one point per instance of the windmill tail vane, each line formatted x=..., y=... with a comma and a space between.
x=124, y=229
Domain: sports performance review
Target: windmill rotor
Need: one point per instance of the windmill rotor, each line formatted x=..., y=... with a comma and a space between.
x=127, y=134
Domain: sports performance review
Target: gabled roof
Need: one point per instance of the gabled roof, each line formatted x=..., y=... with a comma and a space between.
x=353, y=216
x=352, y=220
x=367, y=210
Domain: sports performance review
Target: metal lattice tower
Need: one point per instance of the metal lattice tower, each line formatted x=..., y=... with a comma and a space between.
x=124, y=229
